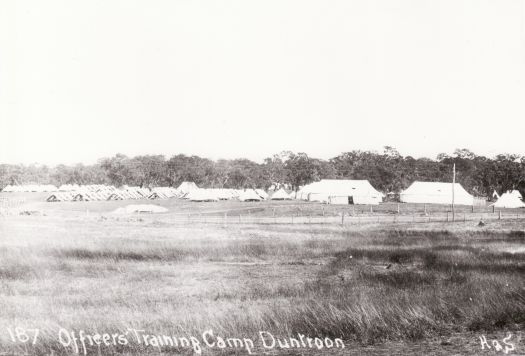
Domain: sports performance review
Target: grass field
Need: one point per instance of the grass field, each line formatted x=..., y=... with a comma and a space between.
x=378, y=287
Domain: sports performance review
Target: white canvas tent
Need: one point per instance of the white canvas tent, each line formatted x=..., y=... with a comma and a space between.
x=261, y=193
x=509, y=200
x=60, y=196
x=223, y=193
x=165, y=192
x=68, y=187
x=27, y=188
x=249, y=195
x=186, y=187
x=341, y=191
x=436, y=193
x=280, y=195
x=202, y=195
x=516, y=193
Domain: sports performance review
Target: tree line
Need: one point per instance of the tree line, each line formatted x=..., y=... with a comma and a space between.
x=387, y=171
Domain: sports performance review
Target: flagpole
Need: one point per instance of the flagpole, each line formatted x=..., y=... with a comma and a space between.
x=453, y=185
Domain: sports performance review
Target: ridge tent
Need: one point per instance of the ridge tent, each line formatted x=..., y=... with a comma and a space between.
x=8, y=189
x=341, y=191
x=509, y=200
x=249, y=195
x=516, y=193
x=115, y=196
x=169, y=192
x=27, y=188
x=186, y=187
x=436, y=193
x=202, y=195
x=261, y=193
x=280, y=195
x=221, y=193
x=63, y=196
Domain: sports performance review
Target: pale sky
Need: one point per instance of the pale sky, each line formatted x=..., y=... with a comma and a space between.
x=81, y=80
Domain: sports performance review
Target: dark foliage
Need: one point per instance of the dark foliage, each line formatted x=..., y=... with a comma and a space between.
x=387, y=171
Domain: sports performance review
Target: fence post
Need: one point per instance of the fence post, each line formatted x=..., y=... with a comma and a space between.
x=499, y=216
x=425, y=207
x=342, y=218
x=493, y=209
x=398, y=208
x=371, y=208
x=323, y=209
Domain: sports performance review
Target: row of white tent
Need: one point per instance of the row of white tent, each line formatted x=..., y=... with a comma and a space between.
x=38, y=188
x=345, y=191
x=441, y=193
x=329, y=191
x=241, y=195
x=44, y=188
x=166, y=193
x=89, y=193
x=183, y=188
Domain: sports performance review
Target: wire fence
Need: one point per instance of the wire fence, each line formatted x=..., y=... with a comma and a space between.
x=304, y=213
x=345, y=219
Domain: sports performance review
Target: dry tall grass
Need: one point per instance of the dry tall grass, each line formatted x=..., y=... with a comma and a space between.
x=360, y=284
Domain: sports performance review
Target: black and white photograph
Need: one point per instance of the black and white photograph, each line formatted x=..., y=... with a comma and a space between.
x=247, y=177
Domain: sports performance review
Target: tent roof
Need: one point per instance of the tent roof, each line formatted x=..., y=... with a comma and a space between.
x=187, y=186
x=249, y=194
x=515, y=193
x=280, y=194
x=261, y=193
x=435, y=188
x=341, y=187
x=202, y=195
x=509, y=200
